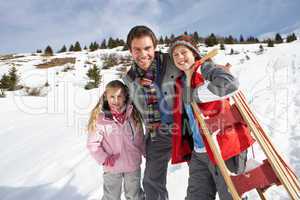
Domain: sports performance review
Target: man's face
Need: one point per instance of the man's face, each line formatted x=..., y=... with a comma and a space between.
x=142, y=51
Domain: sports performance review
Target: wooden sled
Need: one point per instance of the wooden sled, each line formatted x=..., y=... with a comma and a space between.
x=273, y=171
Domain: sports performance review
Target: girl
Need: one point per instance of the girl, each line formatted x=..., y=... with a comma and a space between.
x=115, y=140
x=210, y=87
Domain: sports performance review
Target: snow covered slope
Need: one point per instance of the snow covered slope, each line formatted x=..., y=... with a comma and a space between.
x=42, y=139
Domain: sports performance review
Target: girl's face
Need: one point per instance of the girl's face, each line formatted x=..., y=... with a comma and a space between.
x=116, y=99
x=183, y=57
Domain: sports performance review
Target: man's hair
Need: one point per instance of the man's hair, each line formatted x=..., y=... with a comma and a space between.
x=138, y=32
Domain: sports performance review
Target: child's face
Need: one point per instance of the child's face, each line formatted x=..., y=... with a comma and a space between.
x=116, y=99
x=183, y=57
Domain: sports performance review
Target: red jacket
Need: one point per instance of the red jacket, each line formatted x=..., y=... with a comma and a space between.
x=233, y=138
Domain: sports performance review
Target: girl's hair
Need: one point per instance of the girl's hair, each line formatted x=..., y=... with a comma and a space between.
x=102, y=107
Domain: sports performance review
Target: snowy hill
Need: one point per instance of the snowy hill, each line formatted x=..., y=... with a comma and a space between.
x=43, y=154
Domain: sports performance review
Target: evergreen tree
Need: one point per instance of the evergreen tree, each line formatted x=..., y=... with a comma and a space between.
x=252, y=40
x=10, y=81
x=111, y=43
x=103, y=45
x=5, y=81
x=77, y=46
x=85, y=48
x=117, y=42
x=242, y=39
x=167, y=41
x=292, y=37
x=71, y=47
x=63, y=49
x=196, y=36
x=39, y=51
x=172, y=37
x=13, y=78
x=278, y=38
x=161, y=40
x=211, y=40
x=222, y=47
x=48, y=51
x=270, y=43
x=122, y=42
x=94, y=76
x=94, y=46
x=229, y=40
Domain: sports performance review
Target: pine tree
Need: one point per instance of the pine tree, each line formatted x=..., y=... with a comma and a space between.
x=85, y=48
x=63, y=49
x=103, y=45
x=229, y=40
x=14, y=78
x=290, y=38
x=96, y=45
x=167, y=41
x=172, y=37
x=94, y=76
x=5, y=81
x=252, y=40
x=39, y=51
x=294, y=37
x=48, y=51
x=278, y=38
x=196, y=36
x=270, y=43
x=10, y=81
x=77, y=46
x=211, y=40
x=242, y=39
x=222, y=47
x=161, y=40
x=71, y=48
x=110, y=43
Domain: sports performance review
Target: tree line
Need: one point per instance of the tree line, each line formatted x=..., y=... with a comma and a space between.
x=209, y=41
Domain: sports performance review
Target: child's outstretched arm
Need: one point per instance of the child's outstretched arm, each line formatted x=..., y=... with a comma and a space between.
x=219, y=84
x=94, y=145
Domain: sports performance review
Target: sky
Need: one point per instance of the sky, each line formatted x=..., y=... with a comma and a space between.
x=28, y=25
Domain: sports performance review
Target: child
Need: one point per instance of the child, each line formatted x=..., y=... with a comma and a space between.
x=210, y=87
x=115, y=140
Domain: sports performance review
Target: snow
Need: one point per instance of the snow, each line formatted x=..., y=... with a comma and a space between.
x=43, y=154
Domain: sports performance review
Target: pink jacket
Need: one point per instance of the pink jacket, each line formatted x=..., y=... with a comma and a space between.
x=111, y=137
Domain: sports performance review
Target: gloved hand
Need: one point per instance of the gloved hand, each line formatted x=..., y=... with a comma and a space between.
x=111, y=159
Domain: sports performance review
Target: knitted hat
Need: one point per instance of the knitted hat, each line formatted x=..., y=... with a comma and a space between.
x=187, y=41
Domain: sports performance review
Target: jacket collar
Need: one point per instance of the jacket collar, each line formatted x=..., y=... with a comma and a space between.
x=129, y=109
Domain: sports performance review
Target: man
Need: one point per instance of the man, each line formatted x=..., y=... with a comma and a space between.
x=151, y=82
